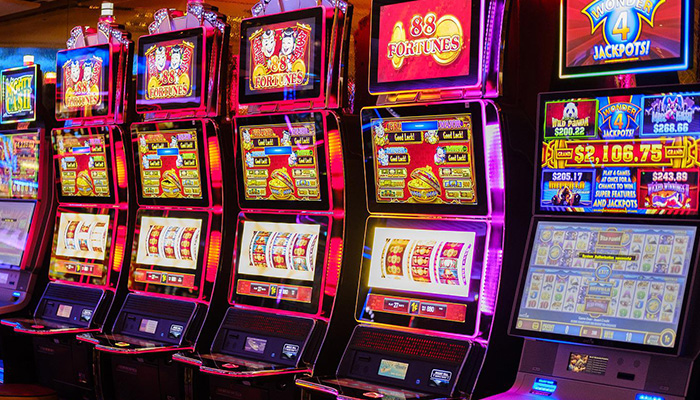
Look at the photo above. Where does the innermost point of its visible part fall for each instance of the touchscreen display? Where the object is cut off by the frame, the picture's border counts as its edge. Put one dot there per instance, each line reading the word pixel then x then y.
pixel 617 282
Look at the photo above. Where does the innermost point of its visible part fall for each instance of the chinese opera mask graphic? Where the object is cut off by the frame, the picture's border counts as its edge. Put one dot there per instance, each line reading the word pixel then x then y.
pixel 280 56
pixel 423 40
pixel 169 70
pixel 622 31
pixel 82 80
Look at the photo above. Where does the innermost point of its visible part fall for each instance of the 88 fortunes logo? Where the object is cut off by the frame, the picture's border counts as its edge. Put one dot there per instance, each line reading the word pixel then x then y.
pixel 622 22
pixel 428 35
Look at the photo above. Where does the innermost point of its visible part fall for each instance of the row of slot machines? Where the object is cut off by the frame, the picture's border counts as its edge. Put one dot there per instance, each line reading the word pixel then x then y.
pixel 203 258
pixel 201 238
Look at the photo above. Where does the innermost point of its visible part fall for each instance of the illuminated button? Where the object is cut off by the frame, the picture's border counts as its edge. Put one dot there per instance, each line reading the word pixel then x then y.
pixel 38 326
pixel 373 395
pixel 122 344
pixel 230 366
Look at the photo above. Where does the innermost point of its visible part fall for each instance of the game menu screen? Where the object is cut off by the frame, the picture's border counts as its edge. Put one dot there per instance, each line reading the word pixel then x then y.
pixel 82 163
pixel 280 56
pixel 172 243
pixel 278 250
pixel 617 282
pixel 617 33
pixel 423 39
pixel 280 162
pixel 170 164
pixel 80 247
pixel 424 160
pixel 169 75
pixel 83 81
pixel 18 94
pixel 15 219
pixel 621 154
pixel 19 165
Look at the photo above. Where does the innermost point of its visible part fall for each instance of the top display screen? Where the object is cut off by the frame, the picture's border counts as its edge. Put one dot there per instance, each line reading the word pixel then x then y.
pixel 626 153
pixel 620 283
pixel 83 163
pixel 19 165
pixel 169 71
pixel 424 160
pixel 280 162
pixel 19 94
pixel 603 37
pixel 83 82
pixel 282 56
pixel 422 44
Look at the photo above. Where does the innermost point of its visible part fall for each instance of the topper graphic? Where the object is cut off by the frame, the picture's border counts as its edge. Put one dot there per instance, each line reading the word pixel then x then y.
pixel 622 26
pixel 19 94
pixel 82 79
pixel 619 120
pixel 169 70
pixel 441 39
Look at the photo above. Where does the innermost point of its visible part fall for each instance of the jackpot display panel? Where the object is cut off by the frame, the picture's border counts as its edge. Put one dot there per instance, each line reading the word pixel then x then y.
pixel 608 38
pixel 622 152
pixel 420 45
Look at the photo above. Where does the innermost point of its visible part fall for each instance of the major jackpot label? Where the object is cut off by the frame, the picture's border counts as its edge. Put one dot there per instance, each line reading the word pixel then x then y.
pixel 170 70
pixel 621 31
pixel 641 157
pixel 423 39
pixel 280 56
pixel 424 160
pixel 18 95
pixel 82 82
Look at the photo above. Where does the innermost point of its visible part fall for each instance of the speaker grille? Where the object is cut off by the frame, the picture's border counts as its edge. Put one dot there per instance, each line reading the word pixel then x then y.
pixel 409 345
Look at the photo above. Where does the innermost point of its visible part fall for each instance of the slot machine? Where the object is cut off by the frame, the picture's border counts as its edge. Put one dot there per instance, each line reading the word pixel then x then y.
pixel 178 235
pixel 606 298
pixel 26 194
pixel 290 180
pixel 433 241
pixel 92 219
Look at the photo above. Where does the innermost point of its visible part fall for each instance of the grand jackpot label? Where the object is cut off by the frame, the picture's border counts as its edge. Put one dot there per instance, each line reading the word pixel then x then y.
pixel 82 162
pixel 280 56
pixel 604 31
pixel 18 95
pixel 640 157
pixel 280 162
pixel 423 39
pixel 82 82
pixel 170 70
pixel 424 160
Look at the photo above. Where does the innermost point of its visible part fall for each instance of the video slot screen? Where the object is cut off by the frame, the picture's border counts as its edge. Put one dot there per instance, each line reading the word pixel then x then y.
pixel 279 250
pixel 19 165
pixel 422 261
pixel 621 154
pixel 169 242
pixel 421 44
pixel 82 163
pixel 424 160
pixel 606 37
pixel 281 56
pixel 169 71
pixel 170 164
pixel 83 82
pixel 623 283
pixel 280 162
pixel 19 94
pixel 81 245
pixel 15 220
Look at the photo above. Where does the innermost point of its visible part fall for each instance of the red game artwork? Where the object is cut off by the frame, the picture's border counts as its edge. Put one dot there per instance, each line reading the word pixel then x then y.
pixel 423 39
pixel 169 70
pixel 280 56
pixel 82 82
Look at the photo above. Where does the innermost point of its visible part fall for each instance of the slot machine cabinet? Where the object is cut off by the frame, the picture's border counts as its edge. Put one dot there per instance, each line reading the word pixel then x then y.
pixel 179 232
pixel 605 301
pixel 290 181
pixel 26 193
pixel 433 243
pixel 93 218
